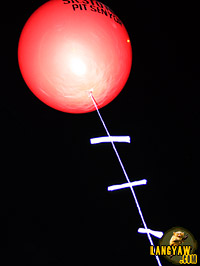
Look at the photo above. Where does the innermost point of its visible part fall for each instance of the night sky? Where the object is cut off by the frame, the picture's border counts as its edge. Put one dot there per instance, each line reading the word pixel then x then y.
pixel 55 208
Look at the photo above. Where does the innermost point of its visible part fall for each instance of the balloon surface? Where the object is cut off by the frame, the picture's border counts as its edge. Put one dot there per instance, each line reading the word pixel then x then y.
pixel 68 49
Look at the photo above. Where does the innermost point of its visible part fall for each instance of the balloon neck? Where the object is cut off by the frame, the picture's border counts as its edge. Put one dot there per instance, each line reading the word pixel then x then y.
pixel 90 92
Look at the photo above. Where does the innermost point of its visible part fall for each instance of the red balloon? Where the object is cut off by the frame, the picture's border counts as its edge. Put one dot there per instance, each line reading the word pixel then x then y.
pixel 69 48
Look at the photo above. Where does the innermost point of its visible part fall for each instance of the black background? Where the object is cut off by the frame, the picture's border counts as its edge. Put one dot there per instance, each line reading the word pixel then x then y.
pixel 55 208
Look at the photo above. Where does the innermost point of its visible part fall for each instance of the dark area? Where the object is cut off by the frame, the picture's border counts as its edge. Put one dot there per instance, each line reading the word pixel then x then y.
pixel 55 208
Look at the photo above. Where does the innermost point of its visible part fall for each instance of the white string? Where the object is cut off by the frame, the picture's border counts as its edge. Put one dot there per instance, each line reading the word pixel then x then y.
pixel 98 140
pixel 127 178
pixel 157 234
pixel 128 185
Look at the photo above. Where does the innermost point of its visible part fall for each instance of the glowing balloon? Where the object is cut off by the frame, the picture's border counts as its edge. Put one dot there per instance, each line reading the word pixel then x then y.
pixel 69 48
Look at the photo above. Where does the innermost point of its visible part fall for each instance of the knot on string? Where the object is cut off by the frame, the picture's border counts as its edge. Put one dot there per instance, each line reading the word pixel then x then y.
pixel 90 92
